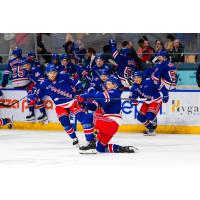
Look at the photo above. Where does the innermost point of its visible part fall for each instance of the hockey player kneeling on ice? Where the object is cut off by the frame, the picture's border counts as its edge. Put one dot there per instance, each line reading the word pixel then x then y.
pixel 147 90
pixel 107 117
pixel 62 90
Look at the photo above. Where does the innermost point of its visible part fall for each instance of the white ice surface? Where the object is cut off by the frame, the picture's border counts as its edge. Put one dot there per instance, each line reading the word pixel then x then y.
pixel 55 148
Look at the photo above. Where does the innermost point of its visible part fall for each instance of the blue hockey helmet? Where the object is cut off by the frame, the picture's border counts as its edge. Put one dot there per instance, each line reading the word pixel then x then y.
pixel 17 52
pixel 50 68
pixel 114 80
pixel 162 53
pixel 138 73
pixel 101 57
pixel 104 72
pixel 64 56
pixel 31 54
pixel 55 56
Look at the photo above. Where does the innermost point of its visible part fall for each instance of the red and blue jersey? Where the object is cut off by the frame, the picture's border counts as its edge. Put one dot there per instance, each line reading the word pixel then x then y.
pixel 61 91
pixel 126 66
pixel 16 72
pixel 165 75
pixel 146 90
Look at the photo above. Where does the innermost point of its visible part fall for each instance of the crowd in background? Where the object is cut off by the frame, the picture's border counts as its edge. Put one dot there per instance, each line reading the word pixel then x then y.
pixel 143 52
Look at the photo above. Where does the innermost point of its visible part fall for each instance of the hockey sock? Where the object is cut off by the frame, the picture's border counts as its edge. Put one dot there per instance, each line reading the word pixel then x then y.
pixel 113 148
pixel 71 133
pixel 4 121
pixel 31 109
pixel 42 110
pixel 89 132
pixel 101 147
pixel 148 124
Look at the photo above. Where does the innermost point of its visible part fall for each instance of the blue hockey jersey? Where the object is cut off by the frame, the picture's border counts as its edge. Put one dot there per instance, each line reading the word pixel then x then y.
pixel 126 66
pixel 146 90
pixel 36 75
pixel 16 72
pixel 165 75
pixel 96 71
pixel 109 101
pixel 61 91
pixel 97 85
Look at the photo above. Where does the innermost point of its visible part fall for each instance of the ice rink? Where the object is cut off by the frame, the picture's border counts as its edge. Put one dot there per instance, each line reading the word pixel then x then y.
pixel 54 148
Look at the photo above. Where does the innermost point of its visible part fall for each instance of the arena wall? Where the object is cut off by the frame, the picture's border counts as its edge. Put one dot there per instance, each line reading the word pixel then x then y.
pixel 180 115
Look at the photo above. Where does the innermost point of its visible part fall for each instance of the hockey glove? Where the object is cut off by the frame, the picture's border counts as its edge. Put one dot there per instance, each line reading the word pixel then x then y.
pixel 165 98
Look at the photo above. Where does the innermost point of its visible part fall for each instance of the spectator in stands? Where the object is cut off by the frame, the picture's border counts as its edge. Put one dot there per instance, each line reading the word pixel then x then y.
pixel 177 53
pixel 41 50
pixel 170 42
pixel 159 46
pixel 1 59
pixel 198 76
pixel 145 52
pixel 90 57
pixel 141 47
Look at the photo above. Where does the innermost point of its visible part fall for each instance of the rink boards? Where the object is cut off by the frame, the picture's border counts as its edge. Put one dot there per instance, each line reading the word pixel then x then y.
pixel 180 115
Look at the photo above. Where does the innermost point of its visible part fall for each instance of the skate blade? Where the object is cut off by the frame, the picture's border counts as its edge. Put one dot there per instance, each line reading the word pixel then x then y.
pixel 149 134
pixel 90 151
pixel 30 120
pixel 42 120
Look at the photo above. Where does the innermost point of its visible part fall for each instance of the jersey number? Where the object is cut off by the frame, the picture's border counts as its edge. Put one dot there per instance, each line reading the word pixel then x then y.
pixel 17 71
pixel 127 72
pixel 172 75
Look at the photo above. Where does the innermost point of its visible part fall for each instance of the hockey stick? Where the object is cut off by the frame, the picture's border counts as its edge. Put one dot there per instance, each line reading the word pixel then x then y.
pixel 9 105
pixel 124 98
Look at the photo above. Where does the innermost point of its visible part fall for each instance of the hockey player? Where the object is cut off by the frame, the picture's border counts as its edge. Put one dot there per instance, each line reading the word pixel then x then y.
pixel 100 65
pixel 107 118
pixel 62 89
pixel 98 84
pixel 146 89
pixel 68 67
pixel 126 64
pixel 165 72
pixel 36 77
pixel 15 71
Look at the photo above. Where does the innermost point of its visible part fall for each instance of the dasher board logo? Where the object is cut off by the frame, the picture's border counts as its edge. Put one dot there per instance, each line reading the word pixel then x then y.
pixel 179 107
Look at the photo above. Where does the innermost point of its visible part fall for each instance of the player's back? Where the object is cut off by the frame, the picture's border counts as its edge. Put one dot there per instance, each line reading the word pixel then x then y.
pixel 19 75
pixel 166 73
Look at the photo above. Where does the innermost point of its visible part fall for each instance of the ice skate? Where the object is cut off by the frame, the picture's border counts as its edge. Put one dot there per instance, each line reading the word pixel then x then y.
pixel 149 132
pixel 30 117
pixel 75 142
pixel 43 117
pixel 127 149
pixel 89 148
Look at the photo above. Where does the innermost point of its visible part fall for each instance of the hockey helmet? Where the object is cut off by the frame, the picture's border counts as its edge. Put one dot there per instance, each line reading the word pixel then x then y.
pixel 162 53
pixel 17 52
pixel 50 68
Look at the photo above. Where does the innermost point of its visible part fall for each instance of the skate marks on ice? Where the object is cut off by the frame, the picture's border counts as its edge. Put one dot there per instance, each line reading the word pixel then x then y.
pixel 54 148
